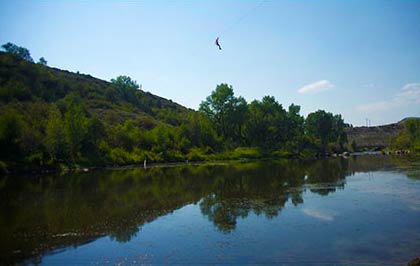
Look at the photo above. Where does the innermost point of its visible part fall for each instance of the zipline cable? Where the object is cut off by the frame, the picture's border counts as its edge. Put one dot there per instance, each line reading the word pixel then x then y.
pixel 240 19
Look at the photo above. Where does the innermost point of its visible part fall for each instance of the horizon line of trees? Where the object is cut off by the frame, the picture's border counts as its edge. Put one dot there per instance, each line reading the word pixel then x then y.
pixel 267 125
pixel 66 133
pixel 49 124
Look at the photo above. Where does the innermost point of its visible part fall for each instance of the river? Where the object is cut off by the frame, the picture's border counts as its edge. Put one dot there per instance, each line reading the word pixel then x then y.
pixel 337 211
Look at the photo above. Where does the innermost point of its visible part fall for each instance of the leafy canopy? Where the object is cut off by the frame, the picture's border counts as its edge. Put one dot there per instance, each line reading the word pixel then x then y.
pixel 17 50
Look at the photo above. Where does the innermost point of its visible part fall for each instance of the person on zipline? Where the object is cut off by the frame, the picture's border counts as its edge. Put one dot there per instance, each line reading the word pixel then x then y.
pixel 217 43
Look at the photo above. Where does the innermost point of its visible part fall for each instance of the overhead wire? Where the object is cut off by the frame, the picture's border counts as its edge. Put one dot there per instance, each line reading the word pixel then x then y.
pixel 241 18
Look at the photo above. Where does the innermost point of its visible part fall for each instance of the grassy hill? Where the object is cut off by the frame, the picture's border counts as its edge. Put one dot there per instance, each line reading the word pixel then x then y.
pixel 27 82
pixel 51 117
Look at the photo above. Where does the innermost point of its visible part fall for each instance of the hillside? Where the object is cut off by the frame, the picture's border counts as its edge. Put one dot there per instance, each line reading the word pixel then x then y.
pixel 27 82
pixel 376 137
pixel 51 117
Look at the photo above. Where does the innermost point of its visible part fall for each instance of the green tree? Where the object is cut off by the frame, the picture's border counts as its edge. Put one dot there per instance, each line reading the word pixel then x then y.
pixel 126 135
pixel 409 138
pixel 54 139
pixel 266 125
pixel 201 132
pixel 11 125
pixel 125 82
pixel 237 118
pixel 126 88
pixel 225 110
pixel 74 129
pixel 17 50
pixel 294 129
pixel 324 128
pixel 35 116
pixel 42 61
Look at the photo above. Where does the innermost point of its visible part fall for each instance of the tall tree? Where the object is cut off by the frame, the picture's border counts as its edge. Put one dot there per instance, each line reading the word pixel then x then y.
pixel 225 110
pixel 323 128
pixel 266 126
pixel 294 129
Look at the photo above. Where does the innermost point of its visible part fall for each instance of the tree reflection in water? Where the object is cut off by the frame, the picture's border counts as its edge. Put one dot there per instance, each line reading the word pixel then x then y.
pixel 265 188
pixel 40 214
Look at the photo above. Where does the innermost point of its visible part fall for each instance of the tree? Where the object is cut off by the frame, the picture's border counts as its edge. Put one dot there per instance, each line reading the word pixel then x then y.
pixel 266 125
pixel 323 127
pixel 11 125
pixel 125 82
pixel 409 138
pixel 54 140
pixel 126 88
pixel 42 61
pixel 200 131
pixel 19 51
pixel 294 129
pixel 217 106
pixel 74 128
pixel 237 119
pixel 225 110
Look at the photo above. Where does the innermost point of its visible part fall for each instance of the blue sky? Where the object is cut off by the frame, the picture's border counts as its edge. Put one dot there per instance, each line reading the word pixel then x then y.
pixel 357 58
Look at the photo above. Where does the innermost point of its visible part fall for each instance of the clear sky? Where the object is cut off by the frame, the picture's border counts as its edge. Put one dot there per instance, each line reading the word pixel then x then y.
pixel 358 58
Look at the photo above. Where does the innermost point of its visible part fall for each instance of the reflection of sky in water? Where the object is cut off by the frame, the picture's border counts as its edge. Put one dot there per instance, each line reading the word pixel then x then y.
pixel 319 214
pixel 375 218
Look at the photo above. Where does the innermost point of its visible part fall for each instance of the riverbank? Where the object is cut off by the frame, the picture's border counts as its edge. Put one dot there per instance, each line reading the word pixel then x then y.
pixel 214 159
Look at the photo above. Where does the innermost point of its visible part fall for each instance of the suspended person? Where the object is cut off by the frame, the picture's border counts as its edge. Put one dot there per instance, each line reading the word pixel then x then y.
pixel 217 43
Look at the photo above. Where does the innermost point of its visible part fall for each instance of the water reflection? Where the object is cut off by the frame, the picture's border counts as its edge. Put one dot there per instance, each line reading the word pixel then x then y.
pixel 50 212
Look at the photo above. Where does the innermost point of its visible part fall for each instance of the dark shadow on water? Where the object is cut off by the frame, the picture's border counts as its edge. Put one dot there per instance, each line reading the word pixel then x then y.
pixel 57 211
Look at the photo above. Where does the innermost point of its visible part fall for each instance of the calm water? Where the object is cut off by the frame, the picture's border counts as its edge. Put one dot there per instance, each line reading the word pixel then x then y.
pixel 363 210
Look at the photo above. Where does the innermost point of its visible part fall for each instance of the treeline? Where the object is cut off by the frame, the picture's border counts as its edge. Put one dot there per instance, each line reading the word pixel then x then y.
pixel 54 118
pixel 266 125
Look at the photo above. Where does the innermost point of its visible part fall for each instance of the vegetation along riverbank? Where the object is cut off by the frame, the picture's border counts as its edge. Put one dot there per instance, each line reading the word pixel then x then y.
pixel 56 119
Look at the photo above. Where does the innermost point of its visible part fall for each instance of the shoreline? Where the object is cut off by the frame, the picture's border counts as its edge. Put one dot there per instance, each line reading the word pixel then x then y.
pixel 46 170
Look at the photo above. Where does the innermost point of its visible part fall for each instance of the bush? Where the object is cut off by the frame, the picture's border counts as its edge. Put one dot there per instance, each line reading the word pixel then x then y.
pixel 173 156
pixel 280 154
pixel 246 153
pixel 119 156
pixel 197 154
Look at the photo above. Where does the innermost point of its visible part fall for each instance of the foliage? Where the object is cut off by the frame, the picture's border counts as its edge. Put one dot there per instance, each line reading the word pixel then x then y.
pixel 126 88
pixel 245 152
pixel 42 61
pixel 226 112
pixel 54 139
pixel 267 125
pixel 409 138
pixel 326 131
pixel 18 51
pixel 54 118
pixel 11 126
